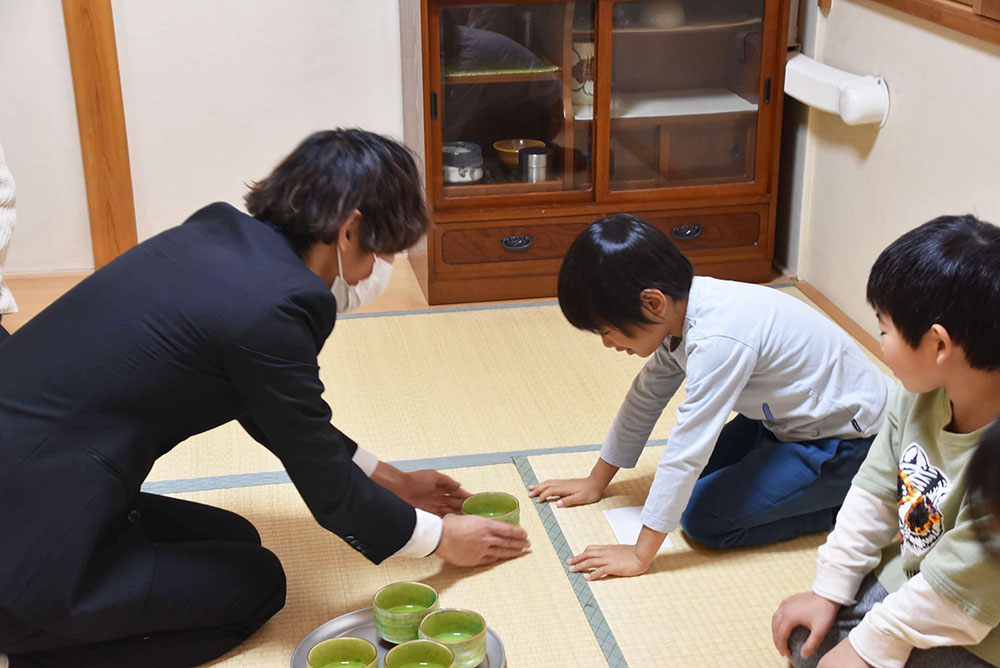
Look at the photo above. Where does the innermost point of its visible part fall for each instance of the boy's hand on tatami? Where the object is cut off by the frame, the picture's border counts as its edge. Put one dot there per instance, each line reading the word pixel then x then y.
pixel 843 656
pixel 570 492
pixel 599 561
pixel 803 609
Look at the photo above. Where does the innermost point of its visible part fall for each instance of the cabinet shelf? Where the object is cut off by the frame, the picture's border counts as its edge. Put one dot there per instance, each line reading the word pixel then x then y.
pixel 498 180
pixel 548 73
pixel 700 102
pixel 698 27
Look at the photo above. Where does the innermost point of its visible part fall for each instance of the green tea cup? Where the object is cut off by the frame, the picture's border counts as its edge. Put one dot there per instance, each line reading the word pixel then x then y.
pixel 495 505
pixel 399 607
pixel 343 653
pixel 420 654
pixel 462 631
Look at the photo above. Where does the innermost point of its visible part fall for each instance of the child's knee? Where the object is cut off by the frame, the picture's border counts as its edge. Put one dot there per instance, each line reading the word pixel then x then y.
pixel 796 639
pixel 709 531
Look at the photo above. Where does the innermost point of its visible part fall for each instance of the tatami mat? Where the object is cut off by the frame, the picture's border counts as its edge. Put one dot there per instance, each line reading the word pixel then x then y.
pixel 442 383
pixel 695 607
pixel 436 384
pixel 528 601
pixel 474 385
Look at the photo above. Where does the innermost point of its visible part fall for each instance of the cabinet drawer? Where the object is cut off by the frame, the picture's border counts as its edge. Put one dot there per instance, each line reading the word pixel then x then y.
pixel 509 243
pixel 710 231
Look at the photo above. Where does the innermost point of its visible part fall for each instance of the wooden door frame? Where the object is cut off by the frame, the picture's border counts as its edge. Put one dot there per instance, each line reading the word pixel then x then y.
pixel 93 59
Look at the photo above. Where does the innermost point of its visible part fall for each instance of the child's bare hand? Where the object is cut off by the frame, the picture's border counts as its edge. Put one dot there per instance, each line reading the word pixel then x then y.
pixel 604 560
pixel 843 656
pixel 803 609
pixel 570 492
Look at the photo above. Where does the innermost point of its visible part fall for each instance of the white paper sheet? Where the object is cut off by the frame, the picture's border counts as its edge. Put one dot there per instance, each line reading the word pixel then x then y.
pixel 626 524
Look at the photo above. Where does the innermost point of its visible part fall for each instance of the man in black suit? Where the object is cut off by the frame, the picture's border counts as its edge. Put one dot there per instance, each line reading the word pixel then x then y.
pixel 218 319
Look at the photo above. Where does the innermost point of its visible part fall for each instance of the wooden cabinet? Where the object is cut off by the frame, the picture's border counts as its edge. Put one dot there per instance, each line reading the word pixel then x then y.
pixel 668 109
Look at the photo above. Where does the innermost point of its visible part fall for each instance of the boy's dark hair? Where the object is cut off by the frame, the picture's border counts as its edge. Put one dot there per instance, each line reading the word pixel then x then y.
pixel 984 486
pixel 947 271
pixel 330 174
pixel 609 265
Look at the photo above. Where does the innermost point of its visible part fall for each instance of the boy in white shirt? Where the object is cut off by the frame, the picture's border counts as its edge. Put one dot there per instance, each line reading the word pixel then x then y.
pixel 808 400
pixel 902 579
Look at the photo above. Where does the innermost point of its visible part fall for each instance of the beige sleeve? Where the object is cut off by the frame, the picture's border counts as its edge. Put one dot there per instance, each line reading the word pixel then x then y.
pixel 918 617
pixel 865 525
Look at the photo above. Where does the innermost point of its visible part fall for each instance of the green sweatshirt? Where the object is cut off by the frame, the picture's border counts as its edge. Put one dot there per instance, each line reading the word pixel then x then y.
pixel 922 468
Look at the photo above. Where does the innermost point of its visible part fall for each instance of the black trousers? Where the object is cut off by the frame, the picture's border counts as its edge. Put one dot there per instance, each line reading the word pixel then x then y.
pixel 213 586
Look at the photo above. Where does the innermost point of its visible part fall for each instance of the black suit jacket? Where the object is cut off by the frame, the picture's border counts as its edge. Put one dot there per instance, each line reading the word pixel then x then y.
pixel 214 320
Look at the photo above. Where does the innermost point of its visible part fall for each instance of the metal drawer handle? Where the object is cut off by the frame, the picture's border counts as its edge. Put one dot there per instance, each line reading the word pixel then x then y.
pixel 519 243
pixel 685 232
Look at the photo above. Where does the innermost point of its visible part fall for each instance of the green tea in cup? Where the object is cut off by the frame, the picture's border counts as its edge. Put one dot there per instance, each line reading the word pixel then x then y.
pixel 495 505
pixel 399 607
pixel 462 631
pixel 343 653
pixel 420 654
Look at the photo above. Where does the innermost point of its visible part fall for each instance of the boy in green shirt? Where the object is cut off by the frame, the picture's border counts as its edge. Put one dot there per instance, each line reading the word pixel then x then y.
pixel 902 579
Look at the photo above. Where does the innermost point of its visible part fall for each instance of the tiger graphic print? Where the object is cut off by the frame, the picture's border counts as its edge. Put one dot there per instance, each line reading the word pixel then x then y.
pixel 921 490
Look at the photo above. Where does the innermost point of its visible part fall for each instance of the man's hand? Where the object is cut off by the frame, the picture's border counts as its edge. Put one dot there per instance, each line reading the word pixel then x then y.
pixel 804 609
pixel 432 491
pixel 470 540
pixel 576 491
pixel 604 560
pixel 425 489
pixel 843 656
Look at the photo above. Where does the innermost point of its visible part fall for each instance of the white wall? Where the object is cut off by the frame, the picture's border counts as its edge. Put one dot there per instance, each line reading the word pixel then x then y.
pixel 215 94
pixel 939 152
pixel 40 139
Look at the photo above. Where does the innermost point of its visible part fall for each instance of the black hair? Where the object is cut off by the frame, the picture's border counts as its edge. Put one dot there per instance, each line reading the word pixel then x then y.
pixel 311 193
pixel 984 486
pixel 947 271
pixel 609 265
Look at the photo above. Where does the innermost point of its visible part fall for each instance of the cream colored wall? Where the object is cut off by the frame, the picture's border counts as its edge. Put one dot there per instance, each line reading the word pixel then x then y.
pixel 41 143
pixel 939 152
pixel 215 93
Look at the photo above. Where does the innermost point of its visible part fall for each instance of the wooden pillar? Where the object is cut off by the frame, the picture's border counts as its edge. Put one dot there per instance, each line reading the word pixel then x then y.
pixel 93 58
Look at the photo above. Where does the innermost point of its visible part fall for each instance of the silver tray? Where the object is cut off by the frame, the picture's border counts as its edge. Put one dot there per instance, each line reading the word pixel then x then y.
pixel 361 624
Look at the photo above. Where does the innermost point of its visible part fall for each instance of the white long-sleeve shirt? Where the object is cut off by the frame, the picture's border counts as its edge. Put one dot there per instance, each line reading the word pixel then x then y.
pixel 754 350
pixel 427 531
pixel 7 218
pixel 915 616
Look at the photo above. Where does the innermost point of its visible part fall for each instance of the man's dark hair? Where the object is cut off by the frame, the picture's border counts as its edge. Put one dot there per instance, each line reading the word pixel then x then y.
pixel 609 265
pixel 947 271
pixel 330 174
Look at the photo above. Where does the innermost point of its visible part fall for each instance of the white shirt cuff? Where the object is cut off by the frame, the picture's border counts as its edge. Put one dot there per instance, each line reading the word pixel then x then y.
pixel 365 460
pixel 425 538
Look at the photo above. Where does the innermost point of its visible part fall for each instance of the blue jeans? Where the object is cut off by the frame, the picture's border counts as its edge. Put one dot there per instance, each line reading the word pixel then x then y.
pixel 757 489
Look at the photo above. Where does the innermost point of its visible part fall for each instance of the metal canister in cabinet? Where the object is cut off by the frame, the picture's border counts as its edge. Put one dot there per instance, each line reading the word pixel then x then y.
pixel 535 162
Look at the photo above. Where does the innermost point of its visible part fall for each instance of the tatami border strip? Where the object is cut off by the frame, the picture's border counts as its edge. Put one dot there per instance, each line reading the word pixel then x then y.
pixel 445 309
pixel 475 307
pixel 436 463
pixel 581 586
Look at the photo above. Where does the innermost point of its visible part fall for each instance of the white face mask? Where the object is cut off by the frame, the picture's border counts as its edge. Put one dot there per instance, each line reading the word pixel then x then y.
pixel 351 297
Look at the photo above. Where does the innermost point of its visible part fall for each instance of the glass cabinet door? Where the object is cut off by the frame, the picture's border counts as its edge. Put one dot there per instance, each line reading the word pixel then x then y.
pixel 508 75
pixel 685 80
